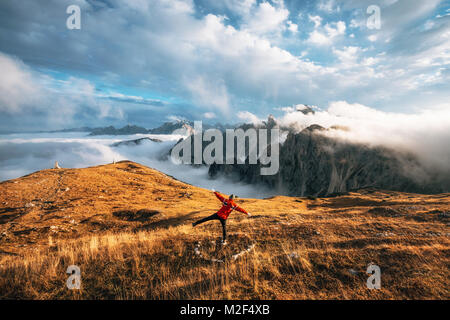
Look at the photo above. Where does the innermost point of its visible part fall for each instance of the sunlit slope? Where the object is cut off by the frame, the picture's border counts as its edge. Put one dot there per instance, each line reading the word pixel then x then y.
pixel 129 229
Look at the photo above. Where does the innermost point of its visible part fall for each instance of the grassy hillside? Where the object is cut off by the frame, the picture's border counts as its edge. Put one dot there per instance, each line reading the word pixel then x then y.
pixel 128 228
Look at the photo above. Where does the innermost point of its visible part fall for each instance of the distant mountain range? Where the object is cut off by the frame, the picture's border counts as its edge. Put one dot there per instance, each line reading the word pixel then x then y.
pixel 312 164
pixel 80 129
pixel 182 127
pixel 112 131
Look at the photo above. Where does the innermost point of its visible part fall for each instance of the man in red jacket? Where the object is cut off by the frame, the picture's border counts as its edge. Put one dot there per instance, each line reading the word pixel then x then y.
pixel 228 205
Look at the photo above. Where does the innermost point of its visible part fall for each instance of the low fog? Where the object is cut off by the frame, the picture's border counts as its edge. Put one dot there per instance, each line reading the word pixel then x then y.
pixel 22 154
pixel 425 133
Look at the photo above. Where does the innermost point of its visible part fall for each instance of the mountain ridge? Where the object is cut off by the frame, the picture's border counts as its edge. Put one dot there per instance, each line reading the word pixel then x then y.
pixel 313 164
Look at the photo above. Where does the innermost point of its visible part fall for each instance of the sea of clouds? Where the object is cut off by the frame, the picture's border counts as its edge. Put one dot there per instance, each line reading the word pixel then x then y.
pixel 424 133
pixel 21 154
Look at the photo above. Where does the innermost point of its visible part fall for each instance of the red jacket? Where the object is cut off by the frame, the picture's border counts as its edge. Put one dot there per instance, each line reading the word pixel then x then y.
pixel 228 205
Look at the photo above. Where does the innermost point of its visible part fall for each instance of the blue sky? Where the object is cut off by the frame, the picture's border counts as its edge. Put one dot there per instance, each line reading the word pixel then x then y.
pixel 144 62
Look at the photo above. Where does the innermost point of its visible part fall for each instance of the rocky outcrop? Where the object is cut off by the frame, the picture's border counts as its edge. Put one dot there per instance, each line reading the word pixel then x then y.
pixel 313 164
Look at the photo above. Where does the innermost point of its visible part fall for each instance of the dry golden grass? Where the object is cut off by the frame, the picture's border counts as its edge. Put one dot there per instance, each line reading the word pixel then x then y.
pixel 303 249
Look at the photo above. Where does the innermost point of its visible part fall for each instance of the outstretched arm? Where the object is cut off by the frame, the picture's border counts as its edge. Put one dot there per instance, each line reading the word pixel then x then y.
pixel 237 208
pixel 219 196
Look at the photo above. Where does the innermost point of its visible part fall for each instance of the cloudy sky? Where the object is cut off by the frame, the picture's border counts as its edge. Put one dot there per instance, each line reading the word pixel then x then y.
pixel 144 62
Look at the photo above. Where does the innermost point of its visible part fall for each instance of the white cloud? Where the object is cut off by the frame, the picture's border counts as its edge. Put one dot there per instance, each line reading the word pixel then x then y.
pixel 328 6
pixel 175 118
pixel 294 108
pixel 56 102
pixel 372 38
pixel 267 18
pixel 29 153
pixel 424 133
pixel 209 93
pixel 316 19
pixel 242 7
pixel 249 117
pixel 327 34
pixel 292 27
pixel 335 29
pixel 370 61
pixel 18 86
pixel 209 115
pixel 348 55
pixel 318 38
pixel 209 61
pixel 356 23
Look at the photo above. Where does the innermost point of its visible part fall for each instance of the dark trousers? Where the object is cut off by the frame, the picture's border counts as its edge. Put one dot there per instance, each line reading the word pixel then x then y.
pixel 215 217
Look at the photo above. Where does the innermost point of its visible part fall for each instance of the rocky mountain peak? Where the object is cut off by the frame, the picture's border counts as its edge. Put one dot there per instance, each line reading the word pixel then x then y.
pixel 305 109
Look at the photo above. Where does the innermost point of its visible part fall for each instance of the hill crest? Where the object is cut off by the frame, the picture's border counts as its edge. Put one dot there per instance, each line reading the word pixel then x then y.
pixel 129 228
